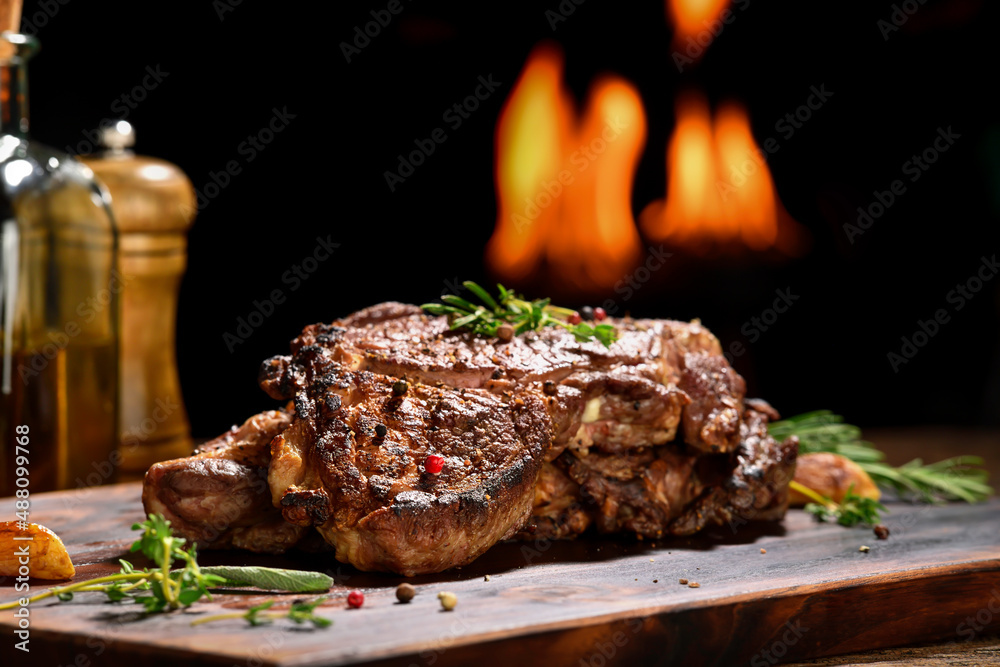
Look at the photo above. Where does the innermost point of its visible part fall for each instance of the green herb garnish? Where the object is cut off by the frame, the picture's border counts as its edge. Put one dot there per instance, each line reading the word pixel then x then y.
pixel 171 588
pixel 515 311
pixel 299 612
pixel 851 511
pixel 957 478
pixel 271 579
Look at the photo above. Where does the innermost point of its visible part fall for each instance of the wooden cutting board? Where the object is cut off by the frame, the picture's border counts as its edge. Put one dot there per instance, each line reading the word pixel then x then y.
pixel 591 602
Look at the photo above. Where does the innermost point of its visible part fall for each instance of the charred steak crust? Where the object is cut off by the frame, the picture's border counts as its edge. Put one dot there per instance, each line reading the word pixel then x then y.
pixel 219 497
pixel 542 436
pixel 670 490
pixel 353 466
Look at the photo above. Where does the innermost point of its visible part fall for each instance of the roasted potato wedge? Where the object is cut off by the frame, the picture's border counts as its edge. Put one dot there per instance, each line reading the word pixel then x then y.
pixel 831 475
pixel 47 557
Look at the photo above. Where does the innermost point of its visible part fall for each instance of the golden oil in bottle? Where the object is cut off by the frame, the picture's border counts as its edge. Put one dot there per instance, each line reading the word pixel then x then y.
pixel 59 285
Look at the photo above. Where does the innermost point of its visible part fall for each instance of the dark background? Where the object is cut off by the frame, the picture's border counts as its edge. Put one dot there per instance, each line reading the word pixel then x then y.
pixel 323 174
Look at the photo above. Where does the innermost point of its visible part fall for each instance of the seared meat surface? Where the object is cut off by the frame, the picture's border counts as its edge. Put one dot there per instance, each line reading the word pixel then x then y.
pixel 219 497
pixel 541 436
pixel 668 490
pixel 354 466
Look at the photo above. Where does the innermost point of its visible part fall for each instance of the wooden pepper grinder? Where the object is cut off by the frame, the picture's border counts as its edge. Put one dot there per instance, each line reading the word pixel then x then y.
pixel 154 205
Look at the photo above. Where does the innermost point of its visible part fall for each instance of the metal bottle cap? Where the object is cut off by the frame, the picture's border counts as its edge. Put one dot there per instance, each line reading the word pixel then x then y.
pixel 119 136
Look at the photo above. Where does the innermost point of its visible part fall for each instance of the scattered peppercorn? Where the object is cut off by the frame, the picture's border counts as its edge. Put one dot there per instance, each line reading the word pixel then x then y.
pixel 433 464
pixel 399 387
pixel 882 532
pixel 549 388
pixel 683 582
pixel 600 314
pixel 505 332
pixel 405 592
pixel 355 599
pixel 381 430
pixel 587 313
pixel 656 581
pixel 448 600
pixel 864 549
pixel 574 318
pixel 763 551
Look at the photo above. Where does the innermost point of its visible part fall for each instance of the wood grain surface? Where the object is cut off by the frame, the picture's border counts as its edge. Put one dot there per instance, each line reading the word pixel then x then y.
pixel 589 602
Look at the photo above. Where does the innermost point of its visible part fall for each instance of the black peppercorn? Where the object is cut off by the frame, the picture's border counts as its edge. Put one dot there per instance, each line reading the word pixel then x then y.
pixel 399 387
pixel 405 592
pixel 587 313
pixel 381 430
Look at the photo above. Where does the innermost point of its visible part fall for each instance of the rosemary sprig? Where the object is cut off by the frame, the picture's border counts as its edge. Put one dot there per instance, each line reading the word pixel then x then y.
pixel 512 309
pixel 851 511
pixel 957 478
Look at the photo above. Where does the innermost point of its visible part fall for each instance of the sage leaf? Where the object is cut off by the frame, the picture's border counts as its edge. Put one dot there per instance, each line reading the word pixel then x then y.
pixel 271 579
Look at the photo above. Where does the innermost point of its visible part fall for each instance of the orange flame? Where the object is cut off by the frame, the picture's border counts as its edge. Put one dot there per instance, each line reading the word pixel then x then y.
pixel 564 186
pixel 719 189
pixel 692 17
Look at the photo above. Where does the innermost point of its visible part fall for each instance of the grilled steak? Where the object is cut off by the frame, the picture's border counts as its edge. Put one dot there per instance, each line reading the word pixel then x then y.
pixel 219 496
pixel 543 435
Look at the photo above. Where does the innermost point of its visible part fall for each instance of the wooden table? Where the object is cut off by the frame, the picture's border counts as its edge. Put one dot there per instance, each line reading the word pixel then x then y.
pixel 932 443
pixel 587 602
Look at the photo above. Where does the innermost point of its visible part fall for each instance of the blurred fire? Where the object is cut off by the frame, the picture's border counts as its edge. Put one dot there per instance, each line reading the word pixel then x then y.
pixel 719 190
pixel 564 184
pixel 692 17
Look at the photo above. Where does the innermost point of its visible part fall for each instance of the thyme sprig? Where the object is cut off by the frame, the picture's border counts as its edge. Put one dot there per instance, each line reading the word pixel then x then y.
pixel 300 612
pixel 956 478
pixel 171 588
pixel 510 308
